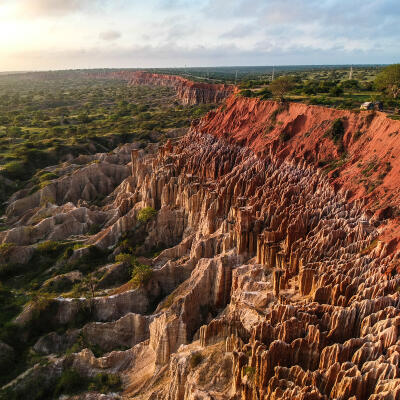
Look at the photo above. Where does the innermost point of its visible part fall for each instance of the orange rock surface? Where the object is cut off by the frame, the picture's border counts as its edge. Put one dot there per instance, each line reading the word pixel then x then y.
pixel 368 165
pixel 187 91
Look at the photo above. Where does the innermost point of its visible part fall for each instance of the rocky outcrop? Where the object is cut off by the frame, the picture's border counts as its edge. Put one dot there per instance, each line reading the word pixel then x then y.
pixel 277 281
pixel 187 91
pixel 295 313
pixel 125 332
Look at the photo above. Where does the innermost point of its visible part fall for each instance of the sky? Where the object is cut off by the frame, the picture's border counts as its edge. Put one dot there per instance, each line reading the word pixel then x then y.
pixel 71 34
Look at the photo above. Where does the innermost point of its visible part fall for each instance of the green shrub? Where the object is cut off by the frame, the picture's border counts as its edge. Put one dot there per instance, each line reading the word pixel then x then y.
pixel 141 274
pixel 125 258
pixel 49 247
pixel 48 176
pixel 15 170
pixel 249 371
pixel 67 253
pixel 284 136
pixel 357 135
pixel 70 382
pixel 336 91
pixel 5 249
pixel 106 383
pixel 145 214
pixel 246 93
pixel 336 131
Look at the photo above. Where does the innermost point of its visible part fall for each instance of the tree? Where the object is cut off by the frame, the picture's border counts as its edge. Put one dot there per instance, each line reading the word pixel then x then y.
pixel 145 214
pixel 389 80
pixel 280 86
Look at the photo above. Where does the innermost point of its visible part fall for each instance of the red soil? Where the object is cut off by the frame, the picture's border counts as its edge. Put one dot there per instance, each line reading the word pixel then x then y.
pixel 368 167
pixel 187 91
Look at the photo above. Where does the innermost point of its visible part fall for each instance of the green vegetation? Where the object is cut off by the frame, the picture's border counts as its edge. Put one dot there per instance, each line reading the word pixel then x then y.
pixel 48 117
pixel 284 136
pixel 71 382
pixel 145 214
pixel 22 284
pixel 328 86
pixel 336 133
pixel 369 248
pixel 141 274
pixel 281 86
pixel 389 80
pixel 249 371
pixel 126 258
pixel 357 135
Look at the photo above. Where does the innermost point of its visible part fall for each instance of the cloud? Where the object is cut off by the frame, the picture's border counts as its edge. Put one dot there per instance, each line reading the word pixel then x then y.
pixel 239 31
pixel 201 32
pixel 52 8
pixel 178 56
pixel 110 35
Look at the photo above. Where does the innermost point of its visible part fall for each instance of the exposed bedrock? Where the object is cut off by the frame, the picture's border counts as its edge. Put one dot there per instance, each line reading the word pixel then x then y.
pixel 187 91
pixel 288 274
pixel 273 284
pixel 61 209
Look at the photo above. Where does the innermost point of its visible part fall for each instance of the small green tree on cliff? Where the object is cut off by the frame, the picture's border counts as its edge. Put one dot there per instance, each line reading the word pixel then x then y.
pixel 281 86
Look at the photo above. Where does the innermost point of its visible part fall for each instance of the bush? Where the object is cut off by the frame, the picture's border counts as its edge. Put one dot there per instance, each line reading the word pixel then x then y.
pixel 336 91
pixel 106 383
pixel 15 170
pixel 281 86
pixel 265 94
pixel 48 176
pixel 284 136
pixel 49 247
pixel 70 382
pixel 5 249
pixel 125 258
pixel 141 274
pixel 357 135
pixel 246 93
pixel 336 133
pixel 249 371
pixel 145 214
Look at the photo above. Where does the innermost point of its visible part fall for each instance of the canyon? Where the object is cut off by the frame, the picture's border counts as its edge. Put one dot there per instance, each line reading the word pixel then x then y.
pixel 279 271
pixel 187 91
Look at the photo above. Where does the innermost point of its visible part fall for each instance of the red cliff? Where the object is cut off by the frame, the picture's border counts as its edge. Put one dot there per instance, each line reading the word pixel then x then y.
pixel 188 92
pixel 365 162
pixel 276 280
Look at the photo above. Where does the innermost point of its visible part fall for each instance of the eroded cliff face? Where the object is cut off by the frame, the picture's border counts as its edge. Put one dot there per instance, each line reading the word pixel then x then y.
pixel 274 284
pixel 187 91
pixel 288 278
pixel 364 163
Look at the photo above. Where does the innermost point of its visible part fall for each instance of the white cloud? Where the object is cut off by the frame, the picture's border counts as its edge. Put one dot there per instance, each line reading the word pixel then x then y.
pixel 197 32
pixel 53 8
pixel 110 35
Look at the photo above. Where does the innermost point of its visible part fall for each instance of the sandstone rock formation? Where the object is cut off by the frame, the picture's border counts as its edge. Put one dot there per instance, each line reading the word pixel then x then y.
pixel 277 281
pixel 187 91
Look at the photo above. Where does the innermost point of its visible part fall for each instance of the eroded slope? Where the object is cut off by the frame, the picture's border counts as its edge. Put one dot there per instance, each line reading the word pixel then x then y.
pixel 272 283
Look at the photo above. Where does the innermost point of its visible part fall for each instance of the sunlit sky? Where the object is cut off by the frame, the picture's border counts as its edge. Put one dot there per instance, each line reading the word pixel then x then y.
pixel 60 34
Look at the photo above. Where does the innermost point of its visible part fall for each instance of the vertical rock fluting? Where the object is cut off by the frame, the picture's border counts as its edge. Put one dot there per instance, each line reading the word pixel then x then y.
pixel 297 269
pixel 188 92
pixel 268 267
